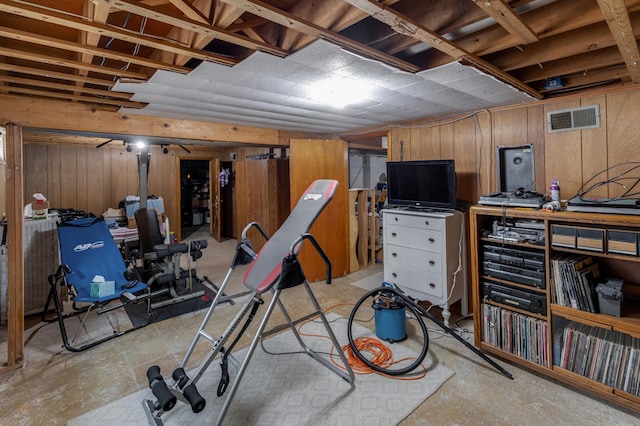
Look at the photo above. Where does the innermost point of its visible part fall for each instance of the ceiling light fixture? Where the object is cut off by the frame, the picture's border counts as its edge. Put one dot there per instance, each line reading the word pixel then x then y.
pixel 340 92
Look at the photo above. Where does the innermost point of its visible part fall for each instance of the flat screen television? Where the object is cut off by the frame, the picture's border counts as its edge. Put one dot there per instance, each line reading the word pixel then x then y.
pixel 423 183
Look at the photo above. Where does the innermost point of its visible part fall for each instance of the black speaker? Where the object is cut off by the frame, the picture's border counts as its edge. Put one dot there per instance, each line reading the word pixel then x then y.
pixel 516 169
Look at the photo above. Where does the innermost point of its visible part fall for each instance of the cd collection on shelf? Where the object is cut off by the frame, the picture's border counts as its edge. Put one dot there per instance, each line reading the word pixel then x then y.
pixel 516 333
pixel 573 280
pixel 606 356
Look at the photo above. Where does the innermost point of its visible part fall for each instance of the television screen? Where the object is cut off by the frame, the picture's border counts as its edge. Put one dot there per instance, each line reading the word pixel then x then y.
pixel 426 183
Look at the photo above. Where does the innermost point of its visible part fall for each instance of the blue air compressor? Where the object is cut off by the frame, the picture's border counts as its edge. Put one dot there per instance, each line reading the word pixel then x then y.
pixel 390 316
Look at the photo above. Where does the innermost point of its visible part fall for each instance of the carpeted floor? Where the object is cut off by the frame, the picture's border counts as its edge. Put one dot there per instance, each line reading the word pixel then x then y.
pixel 291 389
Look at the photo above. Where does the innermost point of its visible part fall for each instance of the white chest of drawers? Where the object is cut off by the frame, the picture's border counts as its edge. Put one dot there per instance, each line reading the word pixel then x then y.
pixel 425 256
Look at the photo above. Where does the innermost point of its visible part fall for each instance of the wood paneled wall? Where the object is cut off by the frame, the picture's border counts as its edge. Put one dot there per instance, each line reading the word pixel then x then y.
pixel 81 177
pixel 261 195
pixel 323 159
pixel 573 157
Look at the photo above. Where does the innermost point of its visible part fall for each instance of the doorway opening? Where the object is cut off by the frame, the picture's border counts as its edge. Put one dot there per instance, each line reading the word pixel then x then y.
pixel 224 204
pixel 194 197
pixel 206 198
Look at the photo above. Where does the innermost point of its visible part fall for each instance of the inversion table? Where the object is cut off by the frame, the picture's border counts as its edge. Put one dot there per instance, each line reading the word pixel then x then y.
pixel 273 269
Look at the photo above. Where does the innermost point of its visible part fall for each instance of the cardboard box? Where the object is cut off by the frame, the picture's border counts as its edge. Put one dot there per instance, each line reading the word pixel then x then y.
pixel 40 209
pixel 155 203
pixel 131 221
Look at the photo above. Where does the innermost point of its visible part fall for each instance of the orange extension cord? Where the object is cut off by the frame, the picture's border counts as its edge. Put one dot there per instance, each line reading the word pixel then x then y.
pixel 382 356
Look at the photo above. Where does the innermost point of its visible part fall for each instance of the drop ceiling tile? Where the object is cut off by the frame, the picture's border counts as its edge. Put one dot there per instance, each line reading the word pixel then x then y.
pixel 448 73
pixel 137 87
pixel 269 91
pixel 173 79
pixel 261 63
pixel 323 55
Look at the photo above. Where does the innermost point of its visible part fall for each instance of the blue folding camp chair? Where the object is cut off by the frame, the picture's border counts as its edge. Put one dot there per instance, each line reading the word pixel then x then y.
pixel 90 255
pixel 273 269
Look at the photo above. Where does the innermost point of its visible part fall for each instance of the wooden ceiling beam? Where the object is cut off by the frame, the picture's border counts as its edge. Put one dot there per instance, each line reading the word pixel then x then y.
pixel 194 26
pixel 67 97
pixel 190 11
pixel 57 86
pixel 291 21
pixel 548 21
pixel 582 40
pixel 87 50
pixel 97 13
pixel 46 15
pixel 505 16
pixel 54 75
pixel 206 8
pixel 68 63
pixel 585 62
pixel 334 15
pixel 241 25
pixel 404 25
pixel 613 75
pixel 617 17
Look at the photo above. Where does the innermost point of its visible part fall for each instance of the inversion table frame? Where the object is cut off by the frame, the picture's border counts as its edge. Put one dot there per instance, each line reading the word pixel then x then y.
pixel 273 269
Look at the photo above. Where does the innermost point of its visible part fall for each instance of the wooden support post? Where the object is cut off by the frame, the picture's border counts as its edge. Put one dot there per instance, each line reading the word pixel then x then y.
pixel 15 258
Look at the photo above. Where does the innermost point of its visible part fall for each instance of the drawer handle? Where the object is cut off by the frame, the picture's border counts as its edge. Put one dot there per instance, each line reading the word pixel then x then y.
pixel 432 263
pixel 395 218
pixel 393 234
pixel 394 275
pixel 426 222
pixel 394 254
pixel 431 240
pixel 432 285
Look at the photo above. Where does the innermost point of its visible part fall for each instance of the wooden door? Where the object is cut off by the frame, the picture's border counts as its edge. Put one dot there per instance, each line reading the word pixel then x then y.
pixel 323 159
pixel 214 199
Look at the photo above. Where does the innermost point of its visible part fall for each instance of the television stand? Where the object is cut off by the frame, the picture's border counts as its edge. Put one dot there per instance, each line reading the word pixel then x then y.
pixel 425 255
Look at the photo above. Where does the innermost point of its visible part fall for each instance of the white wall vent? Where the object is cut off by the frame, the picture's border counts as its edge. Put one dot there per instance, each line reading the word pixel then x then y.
pixel 574 119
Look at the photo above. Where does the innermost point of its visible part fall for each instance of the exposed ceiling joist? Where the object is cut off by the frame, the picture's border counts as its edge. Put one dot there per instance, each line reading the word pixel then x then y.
pixel 288 20
pixel 54 75
pixel 54 60
pixel 403 25
pixel 59 95
pixel 85 49
pixel 190 11
pixel 191 25
pixel 63 87
pixel 617 17
pixel 45 15
pixel 97 13
pixel 508 19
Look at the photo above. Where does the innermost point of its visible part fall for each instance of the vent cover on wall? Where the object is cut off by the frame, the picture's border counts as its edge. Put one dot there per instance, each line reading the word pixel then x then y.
pixel 573 119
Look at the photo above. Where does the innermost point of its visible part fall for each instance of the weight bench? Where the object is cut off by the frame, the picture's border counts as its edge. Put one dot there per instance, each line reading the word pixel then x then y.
pixel 274 269
pixel 161 262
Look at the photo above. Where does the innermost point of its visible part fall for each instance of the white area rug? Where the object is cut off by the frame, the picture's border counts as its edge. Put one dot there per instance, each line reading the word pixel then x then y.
pixel 290 390
pixel 371 282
